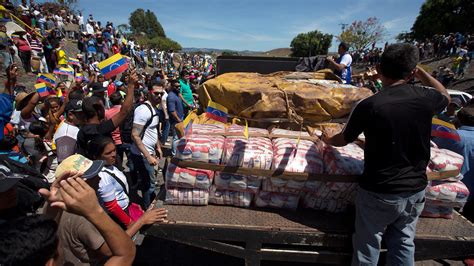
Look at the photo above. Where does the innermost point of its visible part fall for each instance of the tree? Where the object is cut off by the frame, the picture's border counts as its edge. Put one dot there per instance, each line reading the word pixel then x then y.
pixel 229 53
pixel 123 28
pixel 360 34
pixel 146 22
pixel 159 43
pixel 406 37
pixel 444 16
pixel 310 44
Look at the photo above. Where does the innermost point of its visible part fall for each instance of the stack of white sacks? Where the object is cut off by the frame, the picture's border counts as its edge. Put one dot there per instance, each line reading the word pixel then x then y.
pixel 252 153
pixel 442 196
pixel 189 186
pixel 290 154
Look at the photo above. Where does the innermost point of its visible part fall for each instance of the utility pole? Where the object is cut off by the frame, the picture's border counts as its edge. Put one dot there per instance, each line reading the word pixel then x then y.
pixel 343 26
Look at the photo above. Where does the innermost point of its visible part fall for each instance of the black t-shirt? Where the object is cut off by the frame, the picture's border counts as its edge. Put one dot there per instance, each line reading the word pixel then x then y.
pixel 397 126
pixel 88 132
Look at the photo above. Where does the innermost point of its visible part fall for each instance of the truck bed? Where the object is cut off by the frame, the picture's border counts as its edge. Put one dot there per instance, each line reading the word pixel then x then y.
pixel 303 235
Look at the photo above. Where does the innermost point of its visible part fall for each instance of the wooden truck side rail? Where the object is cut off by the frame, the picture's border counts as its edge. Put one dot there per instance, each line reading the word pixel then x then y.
pixel 304 235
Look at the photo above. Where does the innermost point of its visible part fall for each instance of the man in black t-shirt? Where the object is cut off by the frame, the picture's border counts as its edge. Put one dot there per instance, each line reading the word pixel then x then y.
pixel 94 113
pixel 396 123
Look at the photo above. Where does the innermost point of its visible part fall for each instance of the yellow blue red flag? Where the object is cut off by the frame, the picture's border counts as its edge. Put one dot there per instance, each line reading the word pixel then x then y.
pixel 47 78
pixel 442 129
pixel 216 112
pixel 113 66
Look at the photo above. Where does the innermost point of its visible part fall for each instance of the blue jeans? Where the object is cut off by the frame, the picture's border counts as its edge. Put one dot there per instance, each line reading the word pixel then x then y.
pixel 165 127
pixel 393 216
pixel 175 138
pixel 146 177
pixel 6 58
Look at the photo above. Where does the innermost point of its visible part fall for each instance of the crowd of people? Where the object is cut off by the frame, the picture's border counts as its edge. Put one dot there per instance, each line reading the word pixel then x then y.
pixel 79 138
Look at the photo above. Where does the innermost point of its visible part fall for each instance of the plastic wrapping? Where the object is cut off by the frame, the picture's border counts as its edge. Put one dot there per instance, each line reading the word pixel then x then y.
pixel 276 200
pixel 432 210
pixel 225 181
pixel 235 129
pixel 301 156
pixel 232 198
pixel 186 196
pixel 346 160
pixel 283 186
pixel 445 160
pixel 178 177
pixel 203 129
pixel 255 152
pixel 330 205
pixel 200 148
pixel 451 194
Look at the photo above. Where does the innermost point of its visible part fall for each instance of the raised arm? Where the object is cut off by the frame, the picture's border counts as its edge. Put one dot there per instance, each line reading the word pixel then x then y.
pixel 128 101
pixel 428 80
pixel 81 199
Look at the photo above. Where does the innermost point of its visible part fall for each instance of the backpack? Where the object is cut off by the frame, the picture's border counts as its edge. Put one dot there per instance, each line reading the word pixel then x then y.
pixel 29 200
pixel 127 125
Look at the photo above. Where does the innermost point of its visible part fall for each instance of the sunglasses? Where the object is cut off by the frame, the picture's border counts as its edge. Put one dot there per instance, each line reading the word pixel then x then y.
pixel 158 93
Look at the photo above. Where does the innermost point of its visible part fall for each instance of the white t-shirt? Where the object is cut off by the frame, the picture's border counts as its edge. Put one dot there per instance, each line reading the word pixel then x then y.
pixel 89 29
pixel 150 138
pixel 65 139
pixel 110 189
pixel 80 19
pixel 347 61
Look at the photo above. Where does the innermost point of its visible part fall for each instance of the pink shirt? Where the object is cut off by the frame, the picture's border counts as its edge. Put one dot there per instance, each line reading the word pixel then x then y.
pixel 108 115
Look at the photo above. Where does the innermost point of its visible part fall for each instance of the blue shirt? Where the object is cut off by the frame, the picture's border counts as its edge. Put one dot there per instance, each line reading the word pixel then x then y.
pixel 174 104
pixel 464 147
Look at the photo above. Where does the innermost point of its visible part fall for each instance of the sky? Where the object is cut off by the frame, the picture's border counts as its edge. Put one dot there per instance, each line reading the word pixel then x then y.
pixel 257 25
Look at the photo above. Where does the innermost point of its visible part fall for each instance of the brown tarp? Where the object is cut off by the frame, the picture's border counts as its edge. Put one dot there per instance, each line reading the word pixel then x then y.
pixel 282 97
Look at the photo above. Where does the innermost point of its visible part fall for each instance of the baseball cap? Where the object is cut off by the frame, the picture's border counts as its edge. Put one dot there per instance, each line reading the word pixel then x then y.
pixel 98 87
pixel 81 164
pixel 74 105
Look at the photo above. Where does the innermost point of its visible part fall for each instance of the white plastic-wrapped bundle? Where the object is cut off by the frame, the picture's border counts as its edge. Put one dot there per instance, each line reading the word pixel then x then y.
pixel 200 148
pixel 301 156
pixel 450 194
pixel 445 160
pixel 330 205
pixel 346 160
pixel 329 196
pixel 203 129
pixel 276 200
pixel 232 198
pixel 239 130
pixel 225 181
pixel 285 132
pixel 254 152
pixel 434 210
pixel 283 186
pixel 187 196
pixel 188 177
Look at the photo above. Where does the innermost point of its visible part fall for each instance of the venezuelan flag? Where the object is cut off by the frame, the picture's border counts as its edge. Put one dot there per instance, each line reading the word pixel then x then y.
pixel 442 129
pixel 66 71
pixel 47 78
pixel 113 66
pixel 78 77
pixel 73 62
pixel 42 89
pixel 216 112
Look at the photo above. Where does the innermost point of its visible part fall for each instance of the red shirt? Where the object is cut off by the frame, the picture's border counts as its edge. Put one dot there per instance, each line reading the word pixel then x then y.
pixel 115 49
pixel 22 45
pixel 111 88
pixel 108 115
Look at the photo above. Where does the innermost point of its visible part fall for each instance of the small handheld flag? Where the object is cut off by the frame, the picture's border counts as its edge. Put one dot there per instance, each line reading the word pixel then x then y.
pixel 65 71
pixel 43 90
pixel 442 129
pixel 73 62
pixel 113 66
pixel 47 78
pixel 216 112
